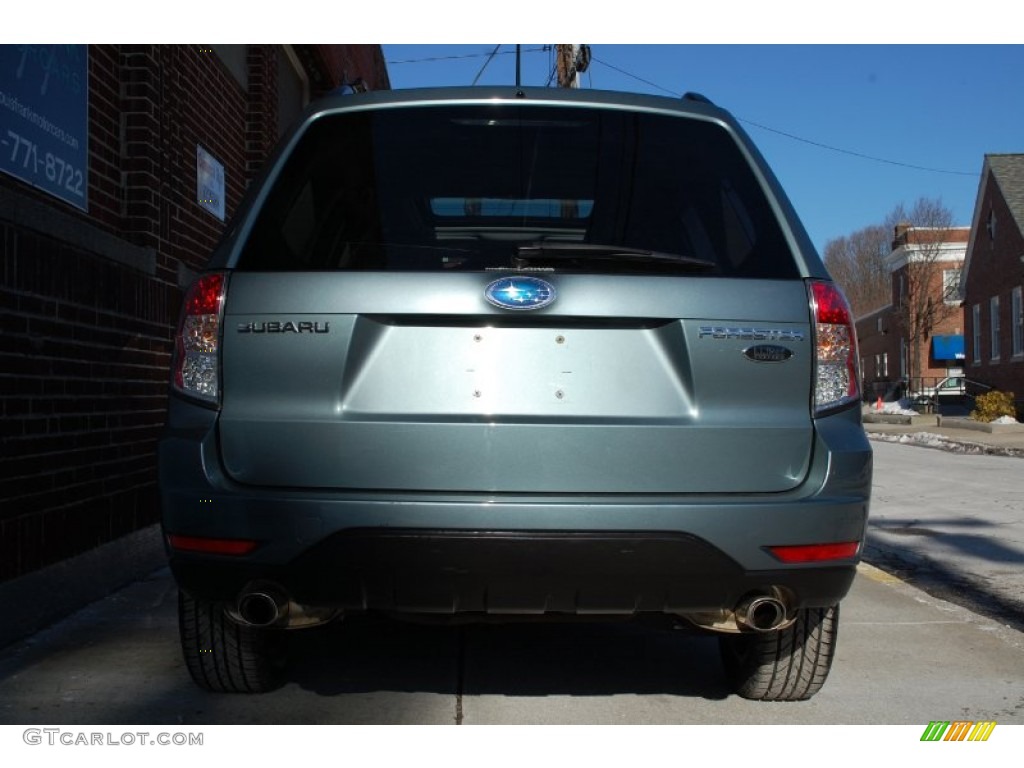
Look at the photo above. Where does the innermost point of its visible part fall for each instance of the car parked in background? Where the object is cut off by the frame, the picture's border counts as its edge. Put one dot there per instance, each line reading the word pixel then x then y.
pixel 512 352
pixel 951 386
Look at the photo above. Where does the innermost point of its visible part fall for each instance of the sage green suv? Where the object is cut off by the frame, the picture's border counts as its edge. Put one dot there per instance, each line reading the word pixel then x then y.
pixel 514 352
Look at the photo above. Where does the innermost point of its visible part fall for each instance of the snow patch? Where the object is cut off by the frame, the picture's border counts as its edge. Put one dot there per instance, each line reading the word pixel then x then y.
pixel 926 438
pixel 932 440
pixel 1005 420
pixel 897 408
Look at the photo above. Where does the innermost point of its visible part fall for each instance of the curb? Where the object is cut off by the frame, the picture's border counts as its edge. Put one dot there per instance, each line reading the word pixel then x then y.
pixel 939 442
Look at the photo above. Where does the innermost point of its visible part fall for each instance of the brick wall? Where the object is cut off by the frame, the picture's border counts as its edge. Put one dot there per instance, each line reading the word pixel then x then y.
pixel 949 321
pixel 89 300
pixel 875 339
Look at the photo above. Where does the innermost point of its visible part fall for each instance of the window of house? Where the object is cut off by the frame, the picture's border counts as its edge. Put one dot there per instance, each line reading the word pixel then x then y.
pixel 976 333
pixel 882 366
pixel 903 358
pixel 1017 323
pixel 991 226
pixel 951 286
pixel 993 309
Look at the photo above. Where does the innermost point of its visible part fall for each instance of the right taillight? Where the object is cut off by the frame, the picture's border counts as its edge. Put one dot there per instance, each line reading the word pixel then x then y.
pixel 196 368
pixel 836 379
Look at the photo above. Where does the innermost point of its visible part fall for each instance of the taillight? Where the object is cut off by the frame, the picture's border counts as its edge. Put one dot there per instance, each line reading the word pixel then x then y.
pixel 837 382
pixel 196 371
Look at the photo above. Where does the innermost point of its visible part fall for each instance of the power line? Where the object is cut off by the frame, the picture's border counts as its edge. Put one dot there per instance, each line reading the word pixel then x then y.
pixel 630 74
pixel 466 56
pixel 854 154
pixel 792 136
pixel 551 76
pixel 489 59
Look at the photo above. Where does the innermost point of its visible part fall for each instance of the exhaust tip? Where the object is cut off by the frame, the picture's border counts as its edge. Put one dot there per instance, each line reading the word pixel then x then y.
pixel 261 608
pixel 762 613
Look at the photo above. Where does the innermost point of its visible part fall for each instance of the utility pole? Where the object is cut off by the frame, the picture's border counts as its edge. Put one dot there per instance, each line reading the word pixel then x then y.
pixel 570 61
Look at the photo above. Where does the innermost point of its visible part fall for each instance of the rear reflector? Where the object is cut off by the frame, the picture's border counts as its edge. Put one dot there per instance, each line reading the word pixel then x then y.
pixel 196 370
pixel 837 381
pixel 212 546
pixel 816 553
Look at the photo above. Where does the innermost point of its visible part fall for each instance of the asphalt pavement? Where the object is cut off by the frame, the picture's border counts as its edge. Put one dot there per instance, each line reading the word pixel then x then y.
pixel 952 523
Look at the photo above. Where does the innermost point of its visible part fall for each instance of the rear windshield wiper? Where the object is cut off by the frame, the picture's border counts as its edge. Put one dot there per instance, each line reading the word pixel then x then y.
pixel 595 251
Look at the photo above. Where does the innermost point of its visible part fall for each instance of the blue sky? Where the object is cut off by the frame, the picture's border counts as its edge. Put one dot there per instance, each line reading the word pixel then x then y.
pixel 940 107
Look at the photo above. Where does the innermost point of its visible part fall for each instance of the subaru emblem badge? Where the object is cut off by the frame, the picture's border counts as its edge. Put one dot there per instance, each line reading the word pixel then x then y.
pixel 768 353
pixel 520 293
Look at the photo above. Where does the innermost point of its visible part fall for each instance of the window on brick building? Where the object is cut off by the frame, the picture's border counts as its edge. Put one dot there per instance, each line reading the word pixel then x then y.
pixel 1017 322
pixel 882 366
pixel 993 309
pixel 951 286
pixel 976 333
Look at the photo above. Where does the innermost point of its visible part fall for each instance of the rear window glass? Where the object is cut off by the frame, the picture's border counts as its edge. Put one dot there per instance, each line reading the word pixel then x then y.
pixel 497 186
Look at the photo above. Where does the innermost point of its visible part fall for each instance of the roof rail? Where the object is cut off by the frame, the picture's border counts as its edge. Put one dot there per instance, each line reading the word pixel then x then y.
pixel 694 96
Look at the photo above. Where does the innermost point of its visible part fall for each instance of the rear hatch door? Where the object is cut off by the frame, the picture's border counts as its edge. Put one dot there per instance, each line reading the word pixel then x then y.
pixel 415 382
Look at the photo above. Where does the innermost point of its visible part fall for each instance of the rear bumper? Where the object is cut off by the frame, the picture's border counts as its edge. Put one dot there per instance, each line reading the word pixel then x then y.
pixel 450 553
pixel 504 572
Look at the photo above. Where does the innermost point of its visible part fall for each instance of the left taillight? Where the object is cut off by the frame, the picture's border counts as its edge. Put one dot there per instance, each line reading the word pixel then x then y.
pixel 837 381
pixel 196 367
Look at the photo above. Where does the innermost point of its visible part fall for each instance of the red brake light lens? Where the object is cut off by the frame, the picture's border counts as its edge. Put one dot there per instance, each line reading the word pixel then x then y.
pixel 205 295
pixel 831 304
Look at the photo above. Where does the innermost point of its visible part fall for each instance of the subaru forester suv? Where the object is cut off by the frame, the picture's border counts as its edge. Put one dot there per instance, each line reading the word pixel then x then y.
pixel 509 352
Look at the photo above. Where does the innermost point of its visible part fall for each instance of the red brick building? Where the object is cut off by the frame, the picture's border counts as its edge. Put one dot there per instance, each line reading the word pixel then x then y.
pixel 96 251
pixel 925 260
pixel 994 276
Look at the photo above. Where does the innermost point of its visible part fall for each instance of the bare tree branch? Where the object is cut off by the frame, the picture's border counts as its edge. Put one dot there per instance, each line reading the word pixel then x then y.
pixel 857 263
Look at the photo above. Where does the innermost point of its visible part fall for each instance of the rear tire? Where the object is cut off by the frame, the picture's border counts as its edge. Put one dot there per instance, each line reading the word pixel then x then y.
pixel 787 665
pixel 224 656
